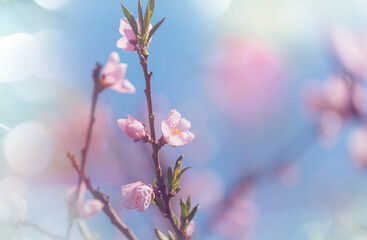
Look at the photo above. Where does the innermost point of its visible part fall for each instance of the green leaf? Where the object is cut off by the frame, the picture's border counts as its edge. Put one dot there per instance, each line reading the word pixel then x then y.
pixel 169 176
pixel 160 235
pixel 148 16
pixel 182 172
pixel 88 235
pixel 177 188
pixel 176 220
pixel 154 29
pixel 131 20
pixel 193 212
pixel 176 179
pixel 159 203
pixel 141 19
pixel 183 209
pixel 170 235
pixel 188 204
pixel 154 183
pixel 178 166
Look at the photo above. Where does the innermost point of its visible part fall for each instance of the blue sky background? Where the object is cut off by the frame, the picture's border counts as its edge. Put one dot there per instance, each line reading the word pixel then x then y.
pixel 181 53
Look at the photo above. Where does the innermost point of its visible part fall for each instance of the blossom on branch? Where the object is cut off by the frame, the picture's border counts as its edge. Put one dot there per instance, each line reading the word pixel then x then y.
pixel 133 128
pixel 83 210
pixel 128 40
pixel 113 75
pixel 175 130
pixel 138 195
pixel 338 100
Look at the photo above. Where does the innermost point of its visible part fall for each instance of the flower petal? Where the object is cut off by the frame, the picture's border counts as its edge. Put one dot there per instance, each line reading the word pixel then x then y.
pixel 90 208
pixel 127 189
pixel 124 43
pixel 123 86
pixel 122 124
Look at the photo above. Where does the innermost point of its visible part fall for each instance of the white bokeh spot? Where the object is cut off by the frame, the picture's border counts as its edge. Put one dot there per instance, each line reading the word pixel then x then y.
pixel 28 148
pixel 16 53
pixel 51 4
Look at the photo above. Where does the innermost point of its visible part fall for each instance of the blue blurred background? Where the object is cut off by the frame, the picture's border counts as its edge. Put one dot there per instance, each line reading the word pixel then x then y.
pixel 237 69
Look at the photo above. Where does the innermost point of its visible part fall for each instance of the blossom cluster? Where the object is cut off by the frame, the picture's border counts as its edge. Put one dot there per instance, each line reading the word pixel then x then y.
pixel 341 97
pixel 136 37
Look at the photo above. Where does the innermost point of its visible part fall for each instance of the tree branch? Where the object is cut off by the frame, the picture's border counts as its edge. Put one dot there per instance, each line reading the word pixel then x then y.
pixel 105 199
pixel 155 147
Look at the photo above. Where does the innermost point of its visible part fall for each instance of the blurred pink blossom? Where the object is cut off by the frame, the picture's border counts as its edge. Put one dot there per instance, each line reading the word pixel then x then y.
pixel 351 49
pixel 357 144
pixel 133 128
pixel 175 130
pixel 197 187
pixel 246 79
pixel 68 129
pixel 190 230
pixel 239 220
pixel 83 210
pixel 289 174
pixel 138 195
pixel 128 40
pixel 335 102
pixel 113 75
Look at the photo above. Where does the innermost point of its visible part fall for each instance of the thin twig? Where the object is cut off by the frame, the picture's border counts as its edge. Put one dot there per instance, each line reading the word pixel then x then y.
pixel 97 194
pixel 105 199
pixel 41 230
pixel 84 151
pixel 248 179
pixel 155 146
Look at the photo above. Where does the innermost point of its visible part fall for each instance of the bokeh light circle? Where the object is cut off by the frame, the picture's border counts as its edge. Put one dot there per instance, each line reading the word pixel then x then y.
pixel 28 148
pixel 57 57
pixel 211 8
pixel 16 52
pixel 51 4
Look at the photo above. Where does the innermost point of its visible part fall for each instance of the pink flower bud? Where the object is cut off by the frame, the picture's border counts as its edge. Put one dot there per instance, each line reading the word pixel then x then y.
pixel 113 75
pixel 133 128
pixel 83 210
pixel 71 193
pixel 128 40
pixel 138 195
pixel 89 209
pixel 190 230
pixel 175 130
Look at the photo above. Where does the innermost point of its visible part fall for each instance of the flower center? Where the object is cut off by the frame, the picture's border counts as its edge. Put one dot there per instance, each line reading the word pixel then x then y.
pixel 176 131
pixel 103 82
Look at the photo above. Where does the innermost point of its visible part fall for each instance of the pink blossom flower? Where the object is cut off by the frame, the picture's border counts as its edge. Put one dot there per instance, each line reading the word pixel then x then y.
pixel 138 195
pixel 175 130
pixel 357 143
pixel 190 230
pixel 247 74
pixel 90 208
pixel 351 49
pixel 83 210
pixel 128 40
pixel 239 220
pixel 113 75
pixel 133 128
pixel 337 101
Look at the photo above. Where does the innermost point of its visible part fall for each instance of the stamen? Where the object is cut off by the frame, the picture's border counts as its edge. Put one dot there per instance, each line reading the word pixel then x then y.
pixel 175 131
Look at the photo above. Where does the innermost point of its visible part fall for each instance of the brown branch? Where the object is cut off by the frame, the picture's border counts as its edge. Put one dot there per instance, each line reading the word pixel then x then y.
pixel 155 146
pixel 105 199
pixel 97 89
